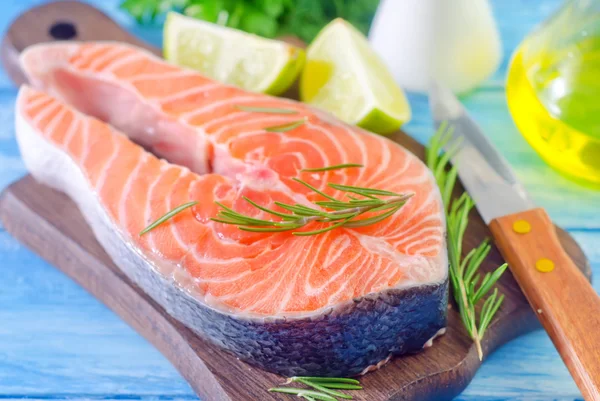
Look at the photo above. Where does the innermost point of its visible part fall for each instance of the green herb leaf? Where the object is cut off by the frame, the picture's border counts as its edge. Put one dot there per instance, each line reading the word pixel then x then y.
pixel 302 392
pixel 306 184
pixel 329 168
pixel 285 216
pixel 301 18
pixel 168 216
pixel 340 213
pixel 325 390
pixel 323 385
pixel 318 379
pixel 286 127
pixel 464 273
pixel 363 191
pixel 374 219
pixel 268 110
pixel 255 21
pixel 341 386
pixel 321 231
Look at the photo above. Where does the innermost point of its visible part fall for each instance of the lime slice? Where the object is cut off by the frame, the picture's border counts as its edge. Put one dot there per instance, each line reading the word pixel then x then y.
pixel 231 56
pixel 344 76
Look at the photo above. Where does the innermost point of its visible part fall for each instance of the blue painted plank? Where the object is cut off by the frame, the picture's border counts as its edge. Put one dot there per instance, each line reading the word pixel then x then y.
pixel 56 339
pixel 91 397
pixel 57 342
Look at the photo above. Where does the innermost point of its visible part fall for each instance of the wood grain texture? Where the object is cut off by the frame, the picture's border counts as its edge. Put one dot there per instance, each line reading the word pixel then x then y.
pixel 88 363
pixel 47 222
pixel 563 298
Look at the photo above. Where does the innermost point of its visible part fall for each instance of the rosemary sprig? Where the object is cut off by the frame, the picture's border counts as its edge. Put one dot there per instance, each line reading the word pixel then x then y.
pixel 168 216
pixel 468 287
pixel 303 393
pixel 268 110
pixel 322 388
pixel 335 213
pixel 286 127
pixel 329 168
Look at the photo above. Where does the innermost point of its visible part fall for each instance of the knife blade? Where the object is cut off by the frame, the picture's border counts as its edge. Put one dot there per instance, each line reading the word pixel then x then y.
pixel 563 299
pixel 483 171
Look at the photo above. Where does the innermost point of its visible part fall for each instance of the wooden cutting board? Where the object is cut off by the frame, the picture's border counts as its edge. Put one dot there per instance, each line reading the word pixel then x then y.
pixel 49 224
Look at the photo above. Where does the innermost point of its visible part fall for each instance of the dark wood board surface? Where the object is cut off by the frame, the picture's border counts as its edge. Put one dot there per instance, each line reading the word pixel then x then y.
pixel 49 224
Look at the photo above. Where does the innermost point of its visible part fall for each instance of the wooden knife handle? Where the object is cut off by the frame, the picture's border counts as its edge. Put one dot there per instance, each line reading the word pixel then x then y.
pixel 563 299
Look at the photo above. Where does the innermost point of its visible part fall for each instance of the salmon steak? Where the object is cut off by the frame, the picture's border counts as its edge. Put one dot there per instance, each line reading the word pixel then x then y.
pixel 130 137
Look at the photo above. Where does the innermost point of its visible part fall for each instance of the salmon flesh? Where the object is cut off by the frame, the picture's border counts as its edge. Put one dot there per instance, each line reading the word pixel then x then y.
pixel 129 137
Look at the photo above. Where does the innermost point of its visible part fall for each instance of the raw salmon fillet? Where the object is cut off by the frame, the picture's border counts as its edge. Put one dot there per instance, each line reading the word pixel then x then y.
pixel 336 303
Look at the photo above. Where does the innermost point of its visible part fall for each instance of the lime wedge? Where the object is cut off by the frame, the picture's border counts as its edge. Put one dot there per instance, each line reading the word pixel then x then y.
pixel 231 56
pixel 344 76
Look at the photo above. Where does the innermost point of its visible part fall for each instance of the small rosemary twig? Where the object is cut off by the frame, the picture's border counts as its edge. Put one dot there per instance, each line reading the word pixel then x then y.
pixel 329 168
pixel 168 216
pixel 336 213
pixel 322 388
pixel 286 127
pixel 267 110
pixel 464 277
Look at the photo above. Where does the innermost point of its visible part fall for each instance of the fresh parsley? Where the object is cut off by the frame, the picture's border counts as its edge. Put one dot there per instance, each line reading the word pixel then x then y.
pixel 269 18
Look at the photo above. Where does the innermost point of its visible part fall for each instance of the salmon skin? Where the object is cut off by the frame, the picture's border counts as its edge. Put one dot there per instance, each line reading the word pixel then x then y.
pixel 335 304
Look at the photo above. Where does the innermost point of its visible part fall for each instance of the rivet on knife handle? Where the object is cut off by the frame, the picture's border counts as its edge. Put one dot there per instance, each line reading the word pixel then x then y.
pixel 567 305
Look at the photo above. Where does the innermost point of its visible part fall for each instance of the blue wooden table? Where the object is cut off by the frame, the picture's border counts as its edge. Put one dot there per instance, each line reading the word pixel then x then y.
pixel 57 342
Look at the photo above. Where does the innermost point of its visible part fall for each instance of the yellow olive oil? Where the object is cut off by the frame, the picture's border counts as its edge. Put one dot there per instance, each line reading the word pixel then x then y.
pixel 554 98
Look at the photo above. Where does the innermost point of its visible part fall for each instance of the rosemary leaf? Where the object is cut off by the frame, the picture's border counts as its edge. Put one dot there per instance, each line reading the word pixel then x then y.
pixel 324 385
pixel 317 386
pixel 487 319
pixel 347 205
pixel 366 202
pixel 268 229
pixel 339 216
pixel 226 221
pixel 388 205
pixel 309 209
pixel 450 180
pixel 300 210
pixel 435 145
pixel 479 254
pixel 361 190
pixel 365 195
pixel 285 216
pixel 374 219
pixel 286 127
pixel 168 216
pixel 306 184
pixel 337 205
pixel 302 392
pixel 321 231
pixel 245 219
pixel 484 316
pixel 268 110
pixel 329 168
pixel 488 282
pixel 326 379
pixel 341 386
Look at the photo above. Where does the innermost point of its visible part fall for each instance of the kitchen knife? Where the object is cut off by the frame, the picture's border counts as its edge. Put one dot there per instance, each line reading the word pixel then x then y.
pixel 563 299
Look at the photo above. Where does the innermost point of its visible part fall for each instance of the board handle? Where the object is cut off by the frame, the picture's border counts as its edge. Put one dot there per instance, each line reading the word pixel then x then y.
pixel 560 295
pixel 56 21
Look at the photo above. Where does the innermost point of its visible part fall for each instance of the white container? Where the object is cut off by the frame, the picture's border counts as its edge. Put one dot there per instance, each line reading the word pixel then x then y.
pixel 455 41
